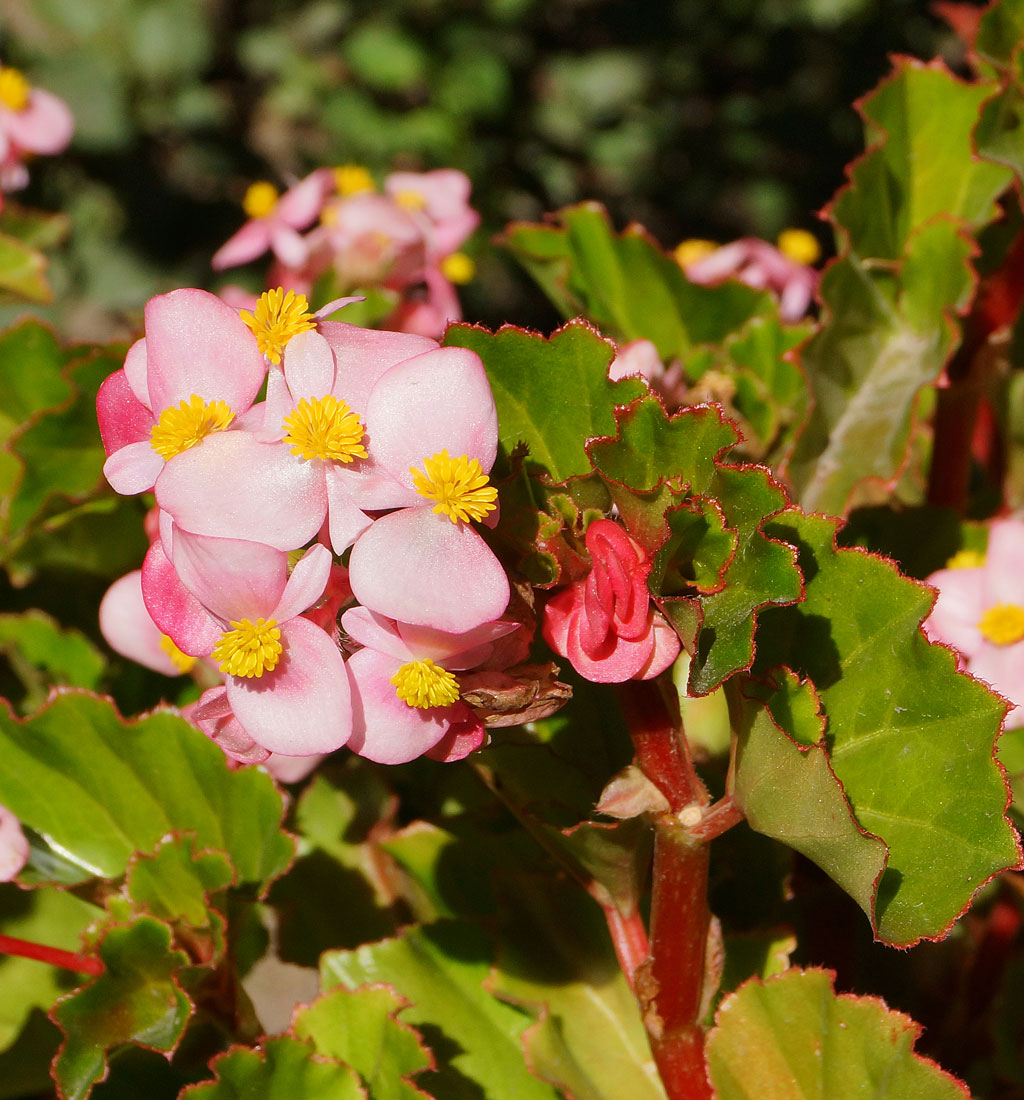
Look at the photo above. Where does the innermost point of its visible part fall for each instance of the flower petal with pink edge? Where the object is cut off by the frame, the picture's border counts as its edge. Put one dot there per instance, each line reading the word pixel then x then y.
pixel 248 243
pixel 306 584
pixel 622 659
pixel 363 355
pixel 233 486
pixel 122 417
pixel 384 728
pixel 134 468
pixel 197 344
pixel 958 608
pixel 304 705
pixel 346 521
pixel 176 612
pixel 666 648
pixel 45 125
pixel 433 402
pixel 301 204
pixel 232 578
pixel 461 739
pixel 136 369
pixel 214 716
pixel 421 568
pixel 128 628
pixel 1004 563
pixel 287 245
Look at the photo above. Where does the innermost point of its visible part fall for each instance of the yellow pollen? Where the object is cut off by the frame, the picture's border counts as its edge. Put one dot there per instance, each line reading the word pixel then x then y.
pixel 410 200
pixel 190 423
pixel 689 252
pixel 353 179
pixel 799 246
pixel 260 199
pixel 458 268
pixel 279 315
pixel 423 684
pixel 966 559
pixel 251 649
pixel 14 89
pixel 181 661
pixel 1003 624
pixel 324 428
pixel 459 485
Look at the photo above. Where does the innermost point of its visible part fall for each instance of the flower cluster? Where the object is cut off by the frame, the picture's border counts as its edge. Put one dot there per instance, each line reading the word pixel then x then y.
pixel 979 611
pixel 275 443
pixel 33 122
pixel 335 227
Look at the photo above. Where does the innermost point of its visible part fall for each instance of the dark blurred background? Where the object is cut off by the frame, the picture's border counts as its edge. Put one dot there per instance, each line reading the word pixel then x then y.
pixel 697 118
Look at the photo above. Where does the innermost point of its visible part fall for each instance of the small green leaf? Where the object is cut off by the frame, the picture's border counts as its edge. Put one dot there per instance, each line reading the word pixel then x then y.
pixel 135 999
pixel 1000 31
pixel 31 378
pixel 281 1068
pixel 22 270
pixel 35 228
pixel 97 789
pixel 174 882
pixel 43 655
pixel 786 789
pixel 793 1038
pixel 910 738
pixel 361 1029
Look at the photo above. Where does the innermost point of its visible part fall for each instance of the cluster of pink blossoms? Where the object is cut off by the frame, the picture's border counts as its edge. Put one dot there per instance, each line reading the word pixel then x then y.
pixel 334 225
pixel 276 442
pixel 33 122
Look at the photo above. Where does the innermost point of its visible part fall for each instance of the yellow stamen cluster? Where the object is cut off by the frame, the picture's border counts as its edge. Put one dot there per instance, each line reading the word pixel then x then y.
pixel 423 684
pixel 966 559
pixel 181 661
pixel 259 199
pixel 183 427
pixel 458 268
pixel 279 315
pixel 14 89
pixel 689 252
pixel 410 200
pixel 799 246
pixel 1003 624
pixel 459 485
pixel 353 179
pixel 249 650
pixel 324 428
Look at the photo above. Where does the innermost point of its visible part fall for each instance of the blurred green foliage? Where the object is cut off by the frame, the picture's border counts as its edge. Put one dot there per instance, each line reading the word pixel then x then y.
pixel 711 118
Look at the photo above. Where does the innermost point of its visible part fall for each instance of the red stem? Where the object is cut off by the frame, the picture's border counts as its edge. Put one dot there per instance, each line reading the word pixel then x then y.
pixel 629 938
pixel 84 964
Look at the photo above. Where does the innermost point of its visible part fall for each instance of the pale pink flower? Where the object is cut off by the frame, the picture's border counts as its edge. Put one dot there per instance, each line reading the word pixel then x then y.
pixel 605 624
pixel 441 199
pixel 14 848
pixel 128 629
pixel 32 122
pixel 405 697
pixel 979 611
pixel 274 222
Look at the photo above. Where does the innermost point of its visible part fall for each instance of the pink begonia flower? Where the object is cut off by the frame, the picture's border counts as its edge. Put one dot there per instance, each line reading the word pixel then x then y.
pixel 759 265
pixel 32 121
pixel 405 698
pixel 13 846
pixel 369 239
pixel 274 222
pixel 441 198
pixel 128 629
pixel 638 357
pixel 432 426
pixel 979 611
pixel 285 679
pixel 605 624
pixel 196 373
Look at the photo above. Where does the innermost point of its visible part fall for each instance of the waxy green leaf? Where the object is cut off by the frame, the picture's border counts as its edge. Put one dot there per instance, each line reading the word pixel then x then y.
pixel 97 790
pixel 793 1038
pixel 135 1000
pixel 910 739
pixel 43 656
pixel 174 883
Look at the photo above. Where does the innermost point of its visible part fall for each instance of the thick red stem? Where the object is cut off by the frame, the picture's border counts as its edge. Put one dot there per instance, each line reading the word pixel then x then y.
pixel 84 964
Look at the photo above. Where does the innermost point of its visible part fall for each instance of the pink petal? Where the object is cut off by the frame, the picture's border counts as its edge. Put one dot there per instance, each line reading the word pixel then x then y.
pixel 1002 667
pixel 437 401
pixel 454 651
pixel 421 568
pixel 384 728
pixel 1004 563
pixel 128 629
pixel 233 486
pixel 376 632
pixel 461 739
pixel 666 648
pixel 214 716
pixel 291 769
pixel 363 355
pixel 619 660
pixel 308 366
pixel 306 584
pixel 233 579
pixel 45 125
pixel 14 848
pixel 176 612
pixel 300 205
pixel 248 243
pixel 287 245
pixel 303 706
pixel 346 521
pixel 958 609
pixel 136 368
pixel 122 417
pixel 197 344
pixel 133 469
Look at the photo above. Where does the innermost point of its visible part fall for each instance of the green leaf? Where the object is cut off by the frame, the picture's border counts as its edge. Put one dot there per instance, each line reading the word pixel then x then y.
pixel 888 333
pixel 174 882
pixel 441 970
pixel 97 790
pixel 35 228
pixel 360 1028
pixel 1000 31
pixel 22 270
pixel 627 285
pixel 551 394
pixel 910 739
pixel 281 1068
pixel 31 378
pixel 793 1038
pixel 786 789
pixel 43 655
pixel 135 999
